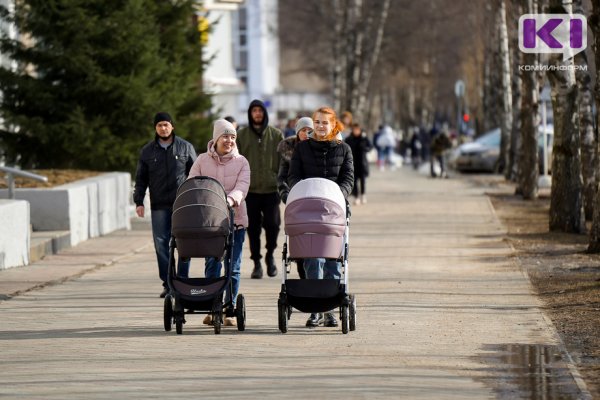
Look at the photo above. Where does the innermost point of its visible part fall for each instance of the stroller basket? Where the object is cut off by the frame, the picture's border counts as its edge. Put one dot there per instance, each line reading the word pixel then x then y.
pixel 201 219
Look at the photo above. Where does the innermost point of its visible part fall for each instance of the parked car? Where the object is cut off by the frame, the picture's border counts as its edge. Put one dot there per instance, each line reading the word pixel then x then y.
pixel 482 154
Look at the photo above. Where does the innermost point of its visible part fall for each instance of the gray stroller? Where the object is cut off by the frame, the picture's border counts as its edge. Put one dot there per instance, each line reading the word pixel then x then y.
pixel 202 226
pixel 316 225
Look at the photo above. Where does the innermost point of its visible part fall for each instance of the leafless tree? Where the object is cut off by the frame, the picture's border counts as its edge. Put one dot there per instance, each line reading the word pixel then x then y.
pixel 594 23
pixel 506 89
pixel 566 204
pixel 512 169
pixel 585 101
pixel 528 158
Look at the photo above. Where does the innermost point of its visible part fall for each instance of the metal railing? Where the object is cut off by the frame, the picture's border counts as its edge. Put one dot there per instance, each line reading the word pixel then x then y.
pixel 10 177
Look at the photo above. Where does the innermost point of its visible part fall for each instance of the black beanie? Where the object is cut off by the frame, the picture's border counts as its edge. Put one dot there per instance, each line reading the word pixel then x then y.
pixel 162 116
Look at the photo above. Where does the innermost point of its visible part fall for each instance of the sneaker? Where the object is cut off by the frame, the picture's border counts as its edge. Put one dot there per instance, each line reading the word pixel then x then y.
pixel 314 320
pixel 230 321
pixel 164 293
pixel 271 267
pixel 330 320
pixel 357 201
pixel 363 199
pixel 257 273
pixel 207 320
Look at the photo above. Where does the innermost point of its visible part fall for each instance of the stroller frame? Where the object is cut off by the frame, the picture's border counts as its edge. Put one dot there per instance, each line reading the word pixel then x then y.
pixel 209 293
pixel 331 293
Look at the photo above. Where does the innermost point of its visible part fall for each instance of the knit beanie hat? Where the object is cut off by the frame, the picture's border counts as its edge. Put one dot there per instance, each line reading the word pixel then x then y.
pixel 162 116
pixel 303 123
pixel 221 127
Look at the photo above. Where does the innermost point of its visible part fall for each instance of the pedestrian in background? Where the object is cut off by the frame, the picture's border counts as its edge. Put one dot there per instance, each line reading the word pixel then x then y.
pixel 346 119
pixel 360 145
pixel 223 162
pixel 258 143
pixel 231 120
pixel 289 129
pixel 163 165
pixel 439 144
pixel 387 143
pixel 323 155
pixel 304 127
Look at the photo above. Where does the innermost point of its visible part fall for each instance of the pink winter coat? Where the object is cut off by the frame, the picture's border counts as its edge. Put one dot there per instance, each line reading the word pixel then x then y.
pixel 233 171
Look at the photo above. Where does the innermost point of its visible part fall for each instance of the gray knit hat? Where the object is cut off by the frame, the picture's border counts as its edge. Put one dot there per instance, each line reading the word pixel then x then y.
pixel 303 123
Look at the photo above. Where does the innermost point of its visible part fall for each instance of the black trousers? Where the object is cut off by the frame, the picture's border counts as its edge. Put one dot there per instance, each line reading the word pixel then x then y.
pixel 263 212
pixel 363 181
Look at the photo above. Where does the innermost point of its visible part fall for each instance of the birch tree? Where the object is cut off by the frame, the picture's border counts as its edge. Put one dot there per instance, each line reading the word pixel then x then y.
pixel 512 170
pixel 566 203
pixel 585 100
pixel 528 159
pixel 506 121
pixel 594 23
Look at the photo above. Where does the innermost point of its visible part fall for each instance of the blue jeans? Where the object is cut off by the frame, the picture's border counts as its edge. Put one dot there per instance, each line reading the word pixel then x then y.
pixel 213 267
pixel 319 268
pixel 161 232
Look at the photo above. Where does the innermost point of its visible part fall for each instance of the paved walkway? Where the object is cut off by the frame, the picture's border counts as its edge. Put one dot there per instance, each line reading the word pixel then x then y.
pixel 443 312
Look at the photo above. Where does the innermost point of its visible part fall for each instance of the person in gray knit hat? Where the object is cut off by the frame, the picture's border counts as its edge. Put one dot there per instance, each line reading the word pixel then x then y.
pixel 304 127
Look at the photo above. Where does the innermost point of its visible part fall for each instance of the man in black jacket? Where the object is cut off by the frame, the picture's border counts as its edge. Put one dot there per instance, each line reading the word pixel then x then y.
pixel 164 164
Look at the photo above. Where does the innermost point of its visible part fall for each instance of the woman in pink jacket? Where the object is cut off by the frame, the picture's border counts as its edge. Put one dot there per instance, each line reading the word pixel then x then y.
pixel 224 163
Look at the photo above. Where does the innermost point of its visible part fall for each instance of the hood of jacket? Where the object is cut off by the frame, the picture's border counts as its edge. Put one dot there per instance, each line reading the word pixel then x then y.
pixel 285 148
pixel 265 122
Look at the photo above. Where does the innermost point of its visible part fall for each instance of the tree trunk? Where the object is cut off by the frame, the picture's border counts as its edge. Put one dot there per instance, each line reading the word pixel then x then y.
pixel 339 46
pixel 506 122
pixel 512 170
pixel 528 160
pixel 594 23
pixel 586 127
pixel 566 203
pixel 370 60
pixel 357 55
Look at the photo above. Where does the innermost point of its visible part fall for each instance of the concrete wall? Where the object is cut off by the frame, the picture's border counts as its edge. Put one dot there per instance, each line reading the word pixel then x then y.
pixel 87 208
pixel 108 197
pixel 14 233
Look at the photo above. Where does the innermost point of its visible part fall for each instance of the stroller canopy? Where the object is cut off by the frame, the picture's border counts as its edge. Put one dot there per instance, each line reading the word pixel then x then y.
pixel 200 209
pixel 315 205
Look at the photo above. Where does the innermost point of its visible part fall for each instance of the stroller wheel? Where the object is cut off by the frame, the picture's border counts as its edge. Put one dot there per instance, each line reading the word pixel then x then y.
pixel 240 312
pixel 352 310
pixel 168 313
pixel 283 316
pixel 345 319
pixel 217 321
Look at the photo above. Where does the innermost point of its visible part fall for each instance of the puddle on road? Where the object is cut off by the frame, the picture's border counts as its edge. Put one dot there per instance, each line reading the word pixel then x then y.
pixel 521 371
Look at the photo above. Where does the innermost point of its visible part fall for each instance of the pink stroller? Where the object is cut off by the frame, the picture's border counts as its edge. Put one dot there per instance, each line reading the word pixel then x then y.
pixel 316 225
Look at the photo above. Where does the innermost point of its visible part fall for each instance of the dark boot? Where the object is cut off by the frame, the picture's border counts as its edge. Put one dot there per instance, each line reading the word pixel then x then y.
pixel 314 320
pixel 163 294
pixel 257 273
pixel 330 320
pixel 271 267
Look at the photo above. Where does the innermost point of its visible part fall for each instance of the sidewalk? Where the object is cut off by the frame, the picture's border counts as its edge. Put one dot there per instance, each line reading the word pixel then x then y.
pixel 73 262
pixel 443 312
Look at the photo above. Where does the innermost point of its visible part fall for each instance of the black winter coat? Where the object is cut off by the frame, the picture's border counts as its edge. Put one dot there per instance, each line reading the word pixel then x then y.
pixel 162 170
pixel 360 145
pixel 315 159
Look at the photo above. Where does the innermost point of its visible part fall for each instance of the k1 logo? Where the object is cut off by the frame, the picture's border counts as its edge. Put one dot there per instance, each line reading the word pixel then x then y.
pixel 553 33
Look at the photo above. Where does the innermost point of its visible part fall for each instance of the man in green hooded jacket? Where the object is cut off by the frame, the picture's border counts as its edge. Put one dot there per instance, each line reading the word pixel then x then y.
pixel 258 143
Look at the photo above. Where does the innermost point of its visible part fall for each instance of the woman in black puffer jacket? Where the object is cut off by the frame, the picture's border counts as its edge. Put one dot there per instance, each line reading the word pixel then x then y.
pixel 323 155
